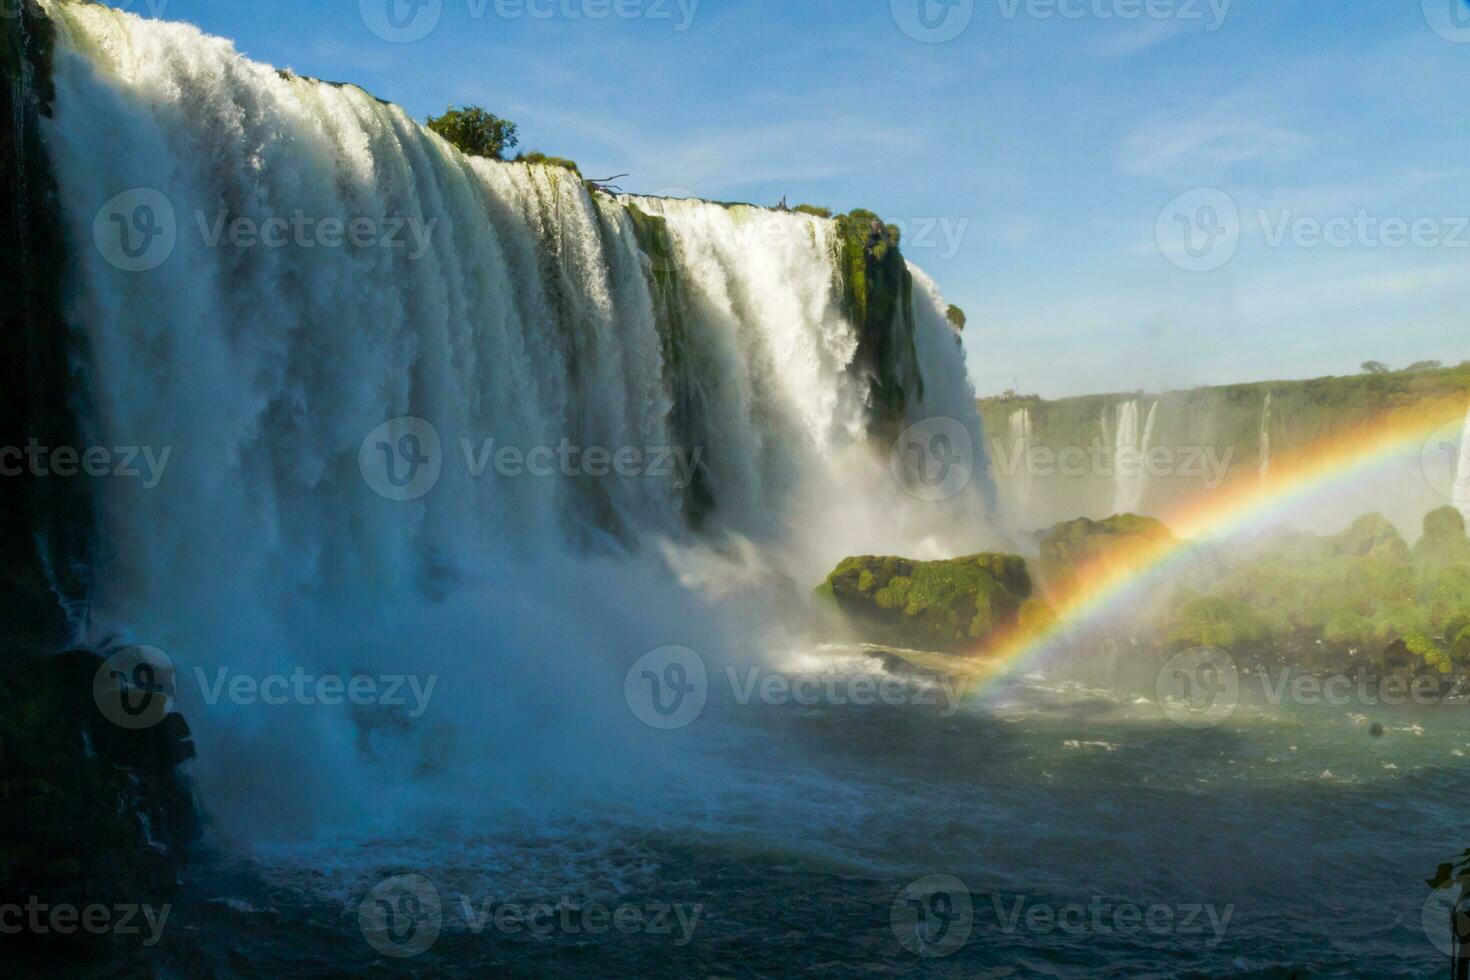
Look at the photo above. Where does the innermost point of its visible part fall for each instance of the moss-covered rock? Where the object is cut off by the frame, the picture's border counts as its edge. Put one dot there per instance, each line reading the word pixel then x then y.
pixel 1444 538
pixel 1373 536
pixel 1074 545
pixel 942 605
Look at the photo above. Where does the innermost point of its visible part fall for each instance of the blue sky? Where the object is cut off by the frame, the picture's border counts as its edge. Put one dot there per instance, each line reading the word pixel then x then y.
pixel 1030 156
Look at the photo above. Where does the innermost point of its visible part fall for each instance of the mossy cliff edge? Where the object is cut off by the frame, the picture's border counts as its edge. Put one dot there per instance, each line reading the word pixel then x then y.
pixel 877 294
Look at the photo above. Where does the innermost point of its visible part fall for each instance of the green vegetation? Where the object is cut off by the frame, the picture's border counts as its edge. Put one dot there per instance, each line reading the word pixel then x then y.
pixel 814 209
pixel 937 605
pixel 1082 543
pixel 536 156
pixel 1372 536
pixel 476 132
pixel 1216 621
pixel 1444 540
pixel 1360 593
pixel 956 317
pixel 877 297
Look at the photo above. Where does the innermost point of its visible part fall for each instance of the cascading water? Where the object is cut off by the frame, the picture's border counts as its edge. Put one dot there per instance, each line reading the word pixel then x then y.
pixel 1265 447
pixel 1130 449
pixel 235 332
pixel 1020 448
pixel 1462 472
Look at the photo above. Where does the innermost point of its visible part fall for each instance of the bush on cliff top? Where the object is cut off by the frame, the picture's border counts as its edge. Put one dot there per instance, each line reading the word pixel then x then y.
pixel 476 132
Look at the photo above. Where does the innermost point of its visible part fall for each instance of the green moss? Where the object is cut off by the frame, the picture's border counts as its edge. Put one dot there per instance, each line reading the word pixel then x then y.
pixel 935 604
pixel 876 295
pixel 1460 648
pixel 535 156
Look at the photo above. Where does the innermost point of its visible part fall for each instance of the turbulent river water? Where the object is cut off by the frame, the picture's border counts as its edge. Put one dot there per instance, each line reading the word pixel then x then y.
pixel 1094 837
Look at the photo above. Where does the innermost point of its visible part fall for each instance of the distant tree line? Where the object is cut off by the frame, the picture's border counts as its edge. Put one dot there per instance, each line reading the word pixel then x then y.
pixel 1378 367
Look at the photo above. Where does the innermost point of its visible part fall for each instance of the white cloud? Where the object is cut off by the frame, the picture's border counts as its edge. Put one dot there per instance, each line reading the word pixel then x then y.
pixel 1202 148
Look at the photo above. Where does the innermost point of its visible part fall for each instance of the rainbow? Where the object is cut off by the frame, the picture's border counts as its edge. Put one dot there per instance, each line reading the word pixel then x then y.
pixel 1103 586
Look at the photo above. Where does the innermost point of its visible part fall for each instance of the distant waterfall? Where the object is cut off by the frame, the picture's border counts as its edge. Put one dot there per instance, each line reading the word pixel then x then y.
pixel 1020 449
pixel 1130 451
pixel 1265 450
pixel 1462 472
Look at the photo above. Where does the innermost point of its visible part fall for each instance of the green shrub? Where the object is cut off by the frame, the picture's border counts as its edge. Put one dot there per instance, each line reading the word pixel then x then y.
pixel 476 132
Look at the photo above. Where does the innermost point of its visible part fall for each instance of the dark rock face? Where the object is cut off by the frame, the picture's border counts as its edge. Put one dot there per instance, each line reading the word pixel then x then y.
pixel 934 605
pixel 93 812
pixel 48 522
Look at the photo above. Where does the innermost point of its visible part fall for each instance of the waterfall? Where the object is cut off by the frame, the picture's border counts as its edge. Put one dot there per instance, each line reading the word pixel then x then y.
pixel 485 307
pixel 1130 452
pixel 1020 449
pixel 1265 449
pixel 1462 472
